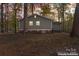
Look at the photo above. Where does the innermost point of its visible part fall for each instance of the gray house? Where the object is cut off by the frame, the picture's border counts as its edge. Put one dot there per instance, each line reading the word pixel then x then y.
pixel 39 23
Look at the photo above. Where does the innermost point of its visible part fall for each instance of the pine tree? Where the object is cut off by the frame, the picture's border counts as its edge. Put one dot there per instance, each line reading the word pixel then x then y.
pixel 75 28
pixel 2 20
pixel 25 15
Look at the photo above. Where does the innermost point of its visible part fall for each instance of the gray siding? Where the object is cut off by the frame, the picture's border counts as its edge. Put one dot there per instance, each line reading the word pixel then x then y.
pixel 21 25
pixel 44 23
pixel 56 27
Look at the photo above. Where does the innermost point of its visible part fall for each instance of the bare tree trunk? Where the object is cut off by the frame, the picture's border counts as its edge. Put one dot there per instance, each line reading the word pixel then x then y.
pixel 25 15
pixel 59 18
pixel 32 7
pixel 15 12
pixel 6 17
pixel 75 28
pixel 62 13
pixel 2 22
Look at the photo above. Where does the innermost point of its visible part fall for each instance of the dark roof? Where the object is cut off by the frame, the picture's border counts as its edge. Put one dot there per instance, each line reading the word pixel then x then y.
pixel 42 17
pixel 39 16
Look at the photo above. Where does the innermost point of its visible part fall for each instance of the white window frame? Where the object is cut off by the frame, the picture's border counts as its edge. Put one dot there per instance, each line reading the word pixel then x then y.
pixel 30 23
pixel 37 23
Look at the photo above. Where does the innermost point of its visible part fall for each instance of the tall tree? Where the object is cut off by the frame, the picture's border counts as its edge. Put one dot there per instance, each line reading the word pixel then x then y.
pixel 32 8
pixel 63 8
pixel 62 15
pixel 75 28
pixel 6 17
pixel 2 20
pixel 15 14
pixel 25 14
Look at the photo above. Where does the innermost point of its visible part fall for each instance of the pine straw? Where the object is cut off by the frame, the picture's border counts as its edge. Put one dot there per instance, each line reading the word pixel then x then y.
pixel 35 43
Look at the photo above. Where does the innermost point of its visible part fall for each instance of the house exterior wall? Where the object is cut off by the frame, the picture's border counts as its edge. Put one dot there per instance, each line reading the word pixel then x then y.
pixel 45 24
pixel 75 28
pixel 21 25
pixel 56 27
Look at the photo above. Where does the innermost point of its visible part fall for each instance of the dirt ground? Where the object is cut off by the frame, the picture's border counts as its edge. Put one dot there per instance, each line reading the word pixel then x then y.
pixel 35 44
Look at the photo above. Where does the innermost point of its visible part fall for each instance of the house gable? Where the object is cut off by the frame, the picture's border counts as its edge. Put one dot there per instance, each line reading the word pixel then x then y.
pixel 36 16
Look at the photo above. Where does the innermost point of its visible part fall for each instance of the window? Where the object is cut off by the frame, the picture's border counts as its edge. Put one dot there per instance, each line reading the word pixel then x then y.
pixel 38 23
pixel 31 23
